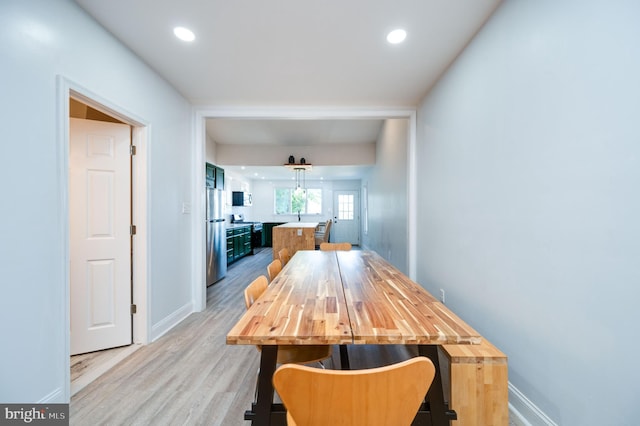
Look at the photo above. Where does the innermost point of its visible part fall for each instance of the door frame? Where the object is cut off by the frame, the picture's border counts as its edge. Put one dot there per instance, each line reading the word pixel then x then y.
pixel 199 291
pixel 67 89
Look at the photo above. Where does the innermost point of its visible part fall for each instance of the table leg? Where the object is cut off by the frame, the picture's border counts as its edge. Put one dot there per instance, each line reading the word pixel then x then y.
pixel 344 358
pixel 435 395
pixel 262 407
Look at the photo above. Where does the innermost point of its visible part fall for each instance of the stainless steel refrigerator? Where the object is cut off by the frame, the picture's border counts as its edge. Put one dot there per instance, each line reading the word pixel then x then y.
pixel 216 237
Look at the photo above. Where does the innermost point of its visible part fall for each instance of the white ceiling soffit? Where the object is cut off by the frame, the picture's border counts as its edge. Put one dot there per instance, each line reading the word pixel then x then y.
pixel 296 53
pixel 279 175
pixel 331 142
pixel 292 132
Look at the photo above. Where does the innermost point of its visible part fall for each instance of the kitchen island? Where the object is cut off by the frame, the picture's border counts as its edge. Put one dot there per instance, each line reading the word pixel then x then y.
pixel 294 236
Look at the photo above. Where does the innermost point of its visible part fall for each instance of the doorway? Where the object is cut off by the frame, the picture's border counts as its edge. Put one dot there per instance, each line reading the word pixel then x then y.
pixel 346 219
pixel 202 114
pixel 70 96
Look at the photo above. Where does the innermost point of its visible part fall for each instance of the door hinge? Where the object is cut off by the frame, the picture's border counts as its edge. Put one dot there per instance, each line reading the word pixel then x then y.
pixel 133 309
pixel 132 150
pixel 132 230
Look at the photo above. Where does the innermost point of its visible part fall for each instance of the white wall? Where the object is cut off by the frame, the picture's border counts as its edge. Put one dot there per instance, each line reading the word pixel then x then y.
pixel 210 150
pixel 40 40
pixel 263 199
pixel 355 154
pixel 387 188
pixel 234 182
pixel 529 207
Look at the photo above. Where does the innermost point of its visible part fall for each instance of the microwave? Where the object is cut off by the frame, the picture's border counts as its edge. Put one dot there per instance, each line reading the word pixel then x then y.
pixel 239 198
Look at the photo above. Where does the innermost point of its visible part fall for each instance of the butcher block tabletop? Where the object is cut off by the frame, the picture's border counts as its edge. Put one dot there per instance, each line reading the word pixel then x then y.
pixel 347 297
pixel 385 306
pixel 303 305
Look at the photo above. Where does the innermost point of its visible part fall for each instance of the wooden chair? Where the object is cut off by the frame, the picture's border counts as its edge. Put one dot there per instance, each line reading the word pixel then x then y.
pixel 383 396
pixel 274 269
pixel 255 290
pixel 322 234
pixel 301 354
pixel 327 231
pixel 335 246
pixel 284 256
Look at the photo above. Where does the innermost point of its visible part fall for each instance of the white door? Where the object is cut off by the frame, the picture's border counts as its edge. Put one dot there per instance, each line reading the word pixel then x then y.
pixel 346 217
pixel 100 241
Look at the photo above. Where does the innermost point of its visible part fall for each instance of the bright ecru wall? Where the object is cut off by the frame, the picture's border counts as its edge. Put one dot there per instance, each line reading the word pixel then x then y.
pixel 39 41
pixel 387 189
pixel 529 206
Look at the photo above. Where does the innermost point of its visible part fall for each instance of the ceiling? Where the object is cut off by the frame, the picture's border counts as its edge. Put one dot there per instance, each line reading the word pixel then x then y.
pixel 294 133
pixel 295 54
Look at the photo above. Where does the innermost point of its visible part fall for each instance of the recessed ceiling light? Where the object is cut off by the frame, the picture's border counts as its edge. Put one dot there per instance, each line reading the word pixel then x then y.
pixel 396 36
pixel 184 34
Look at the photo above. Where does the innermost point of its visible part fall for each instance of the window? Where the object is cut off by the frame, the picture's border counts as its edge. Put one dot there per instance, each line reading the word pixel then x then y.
pixel 292 201
pixel 346 204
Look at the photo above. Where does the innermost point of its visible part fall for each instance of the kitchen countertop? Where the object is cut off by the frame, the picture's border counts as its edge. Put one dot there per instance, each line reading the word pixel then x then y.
pixel 298 225
pixel 237 225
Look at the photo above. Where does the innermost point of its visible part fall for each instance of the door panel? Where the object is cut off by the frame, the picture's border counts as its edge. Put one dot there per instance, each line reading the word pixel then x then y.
pixel 346 220
pixel 100 241
pixel 100 289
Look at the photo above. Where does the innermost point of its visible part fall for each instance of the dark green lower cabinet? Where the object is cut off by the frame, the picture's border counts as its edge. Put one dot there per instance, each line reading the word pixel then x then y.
pixel 238 243
pixel 267 227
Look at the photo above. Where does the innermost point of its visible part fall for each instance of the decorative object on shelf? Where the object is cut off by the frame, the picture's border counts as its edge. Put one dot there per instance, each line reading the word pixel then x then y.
pixel 303 161
pixel 292 160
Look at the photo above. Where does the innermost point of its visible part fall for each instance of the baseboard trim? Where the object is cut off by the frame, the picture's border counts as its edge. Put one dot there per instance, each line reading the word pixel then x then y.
pixel 54 397
pixel 525 412
pixel 167 323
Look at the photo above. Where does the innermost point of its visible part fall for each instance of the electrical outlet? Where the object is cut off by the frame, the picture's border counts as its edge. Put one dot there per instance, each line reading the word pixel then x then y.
pixel 442 295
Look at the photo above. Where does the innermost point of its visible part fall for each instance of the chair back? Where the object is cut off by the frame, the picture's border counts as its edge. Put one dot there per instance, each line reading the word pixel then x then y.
pixel 322 233
pixel 335 246
pixel 383 396
pixel 284 256
pixel 327 230
pixel 274 269
pixel 255 290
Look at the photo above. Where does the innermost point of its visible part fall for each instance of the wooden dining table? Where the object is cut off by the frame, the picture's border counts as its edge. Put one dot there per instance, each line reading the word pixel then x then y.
pixel 346 298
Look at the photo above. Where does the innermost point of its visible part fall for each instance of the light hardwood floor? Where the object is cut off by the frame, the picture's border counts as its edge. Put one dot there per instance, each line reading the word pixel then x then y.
pixel 187 377
pixel 85 368
pixel 190 376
